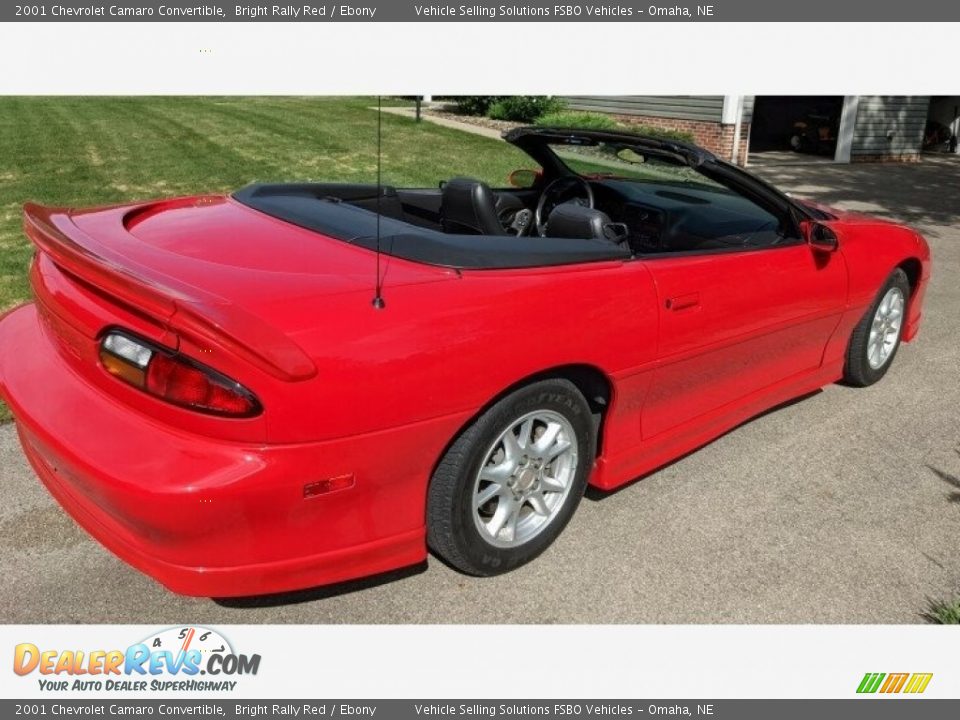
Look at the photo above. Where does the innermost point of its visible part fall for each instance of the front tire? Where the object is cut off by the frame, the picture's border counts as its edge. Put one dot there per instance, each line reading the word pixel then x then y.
pixel 876 338
pixel 509 484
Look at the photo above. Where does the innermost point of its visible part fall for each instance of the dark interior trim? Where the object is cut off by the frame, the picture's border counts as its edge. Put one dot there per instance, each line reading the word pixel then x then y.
pixel 322 208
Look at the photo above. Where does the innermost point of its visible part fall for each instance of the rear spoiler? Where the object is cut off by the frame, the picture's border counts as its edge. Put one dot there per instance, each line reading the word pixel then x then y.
pixel 184 309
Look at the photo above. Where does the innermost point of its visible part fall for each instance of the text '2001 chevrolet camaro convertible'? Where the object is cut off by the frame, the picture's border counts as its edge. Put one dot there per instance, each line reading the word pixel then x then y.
pixel 300 384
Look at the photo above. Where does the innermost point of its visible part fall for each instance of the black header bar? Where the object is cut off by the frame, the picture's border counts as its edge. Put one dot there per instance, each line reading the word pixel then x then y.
pixel 482 11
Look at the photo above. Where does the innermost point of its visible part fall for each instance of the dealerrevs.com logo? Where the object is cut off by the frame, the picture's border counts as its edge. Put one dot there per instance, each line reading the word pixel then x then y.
pixel 177 659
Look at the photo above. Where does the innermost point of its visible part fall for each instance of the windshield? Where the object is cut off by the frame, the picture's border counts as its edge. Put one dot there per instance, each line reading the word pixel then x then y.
pixel 690 210
pixel 601 159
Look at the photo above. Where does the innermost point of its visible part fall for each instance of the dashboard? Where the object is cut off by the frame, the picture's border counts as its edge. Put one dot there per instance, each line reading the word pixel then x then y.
pixel 677 216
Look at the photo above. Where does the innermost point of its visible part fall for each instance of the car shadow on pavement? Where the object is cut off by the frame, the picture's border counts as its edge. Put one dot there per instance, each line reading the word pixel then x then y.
pixel 596 494
pixel 324 592
pixel 916 193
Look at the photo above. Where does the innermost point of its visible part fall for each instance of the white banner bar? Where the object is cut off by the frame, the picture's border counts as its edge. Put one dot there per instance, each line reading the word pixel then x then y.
pixel 327 662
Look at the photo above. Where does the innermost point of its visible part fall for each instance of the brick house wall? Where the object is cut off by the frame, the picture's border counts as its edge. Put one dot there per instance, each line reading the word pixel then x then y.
pixel 700 115
pixel 713 136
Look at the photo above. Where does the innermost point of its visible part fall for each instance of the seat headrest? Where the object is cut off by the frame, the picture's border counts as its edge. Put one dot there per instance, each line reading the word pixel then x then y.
pixel 468 205
pixel 571 220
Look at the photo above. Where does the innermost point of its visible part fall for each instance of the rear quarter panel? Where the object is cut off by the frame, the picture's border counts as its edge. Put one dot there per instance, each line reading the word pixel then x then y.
pixel 444 348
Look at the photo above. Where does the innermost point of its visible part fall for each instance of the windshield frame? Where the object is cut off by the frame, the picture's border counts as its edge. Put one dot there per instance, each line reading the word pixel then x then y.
pixel 536 142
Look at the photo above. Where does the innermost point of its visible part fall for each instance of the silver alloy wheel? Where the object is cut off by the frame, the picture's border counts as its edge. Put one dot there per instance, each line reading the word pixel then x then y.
pixel 525 479
pixel 885 328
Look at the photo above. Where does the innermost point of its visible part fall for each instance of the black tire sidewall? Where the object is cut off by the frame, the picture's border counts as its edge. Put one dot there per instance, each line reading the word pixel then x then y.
pixel 559 396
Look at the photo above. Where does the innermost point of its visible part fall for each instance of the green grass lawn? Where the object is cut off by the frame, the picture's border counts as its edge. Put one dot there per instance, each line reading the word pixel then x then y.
pixel 88 151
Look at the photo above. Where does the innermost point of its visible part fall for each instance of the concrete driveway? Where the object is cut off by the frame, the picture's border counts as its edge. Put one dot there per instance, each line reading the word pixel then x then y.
pixel 841 508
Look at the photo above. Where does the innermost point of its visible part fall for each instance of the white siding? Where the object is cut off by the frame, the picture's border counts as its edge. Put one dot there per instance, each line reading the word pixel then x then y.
pixel 889 124
pixel 707 108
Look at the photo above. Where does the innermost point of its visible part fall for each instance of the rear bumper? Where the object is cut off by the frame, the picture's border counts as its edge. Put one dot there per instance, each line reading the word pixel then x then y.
pixel 266 577
pixel 210 517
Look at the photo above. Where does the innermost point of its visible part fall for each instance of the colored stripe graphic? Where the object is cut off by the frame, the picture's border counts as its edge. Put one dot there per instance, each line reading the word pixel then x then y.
pixel 918 682
pixel 870 682
pixel 894 683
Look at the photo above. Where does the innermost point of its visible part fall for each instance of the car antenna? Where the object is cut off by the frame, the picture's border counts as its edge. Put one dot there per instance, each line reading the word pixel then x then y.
pixel 378 301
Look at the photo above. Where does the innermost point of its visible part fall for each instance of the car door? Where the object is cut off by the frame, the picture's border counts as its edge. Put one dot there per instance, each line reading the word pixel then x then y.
pixel 733 323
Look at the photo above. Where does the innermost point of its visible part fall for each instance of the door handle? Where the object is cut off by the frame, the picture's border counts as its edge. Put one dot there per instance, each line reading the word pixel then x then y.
pixel 683 302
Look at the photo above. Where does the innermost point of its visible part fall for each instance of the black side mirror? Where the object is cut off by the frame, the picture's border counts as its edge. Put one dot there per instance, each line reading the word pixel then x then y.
pixel 821 237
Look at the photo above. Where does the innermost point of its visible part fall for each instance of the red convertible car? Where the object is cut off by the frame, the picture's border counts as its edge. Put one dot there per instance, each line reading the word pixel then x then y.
pixel 300 384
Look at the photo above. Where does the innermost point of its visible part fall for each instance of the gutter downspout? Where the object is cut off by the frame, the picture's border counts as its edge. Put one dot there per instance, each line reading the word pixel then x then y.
pixel 737 129
pixel 848 121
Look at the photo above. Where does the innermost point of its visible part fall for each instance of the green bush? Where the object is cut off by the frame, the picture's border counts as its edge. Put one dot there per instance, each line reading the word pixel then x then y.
pixel 474 104
pixel 517 108
pixel 599 121
pixel 579 120
pixel 523 108
pixel 665 134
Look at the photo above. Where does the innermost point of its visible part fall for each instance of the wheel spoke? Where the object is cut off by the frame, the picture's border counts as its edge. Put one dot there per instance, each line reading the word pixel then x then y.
pixel 498 473
pixel 488 494
pixel 548 438
pixel 510 531
pixel 526 433
pixel 549 484
pixel 511 447
pixel 539 504
pixel 500 517
pixel 557 450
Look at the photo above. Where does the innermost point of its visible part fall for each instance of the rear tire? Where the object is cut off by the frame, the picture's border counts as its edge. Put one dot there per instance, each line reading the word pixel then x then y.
pixel 509 484
pixel 876 338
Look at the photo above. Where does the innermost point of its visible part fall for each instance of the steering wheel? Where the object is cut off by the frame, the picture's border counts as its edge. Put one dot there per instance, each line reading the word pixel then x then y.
pixel 567 188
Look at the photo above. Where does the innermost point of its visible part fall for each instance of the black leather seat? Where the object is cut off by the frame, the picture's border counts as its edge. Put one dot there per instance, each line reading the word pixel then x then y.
pixel 571 220
pixel 469 207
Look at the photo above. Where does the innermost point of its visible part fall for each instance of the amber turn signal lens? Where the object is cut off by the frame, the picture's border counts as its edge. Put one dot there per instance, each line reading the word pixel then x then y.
pixel 122 369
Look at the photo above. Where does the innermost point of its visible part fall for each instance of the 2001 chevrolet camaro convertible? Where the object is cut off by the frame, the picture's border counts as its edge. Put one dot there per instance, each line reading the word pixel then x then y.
pixel 240 395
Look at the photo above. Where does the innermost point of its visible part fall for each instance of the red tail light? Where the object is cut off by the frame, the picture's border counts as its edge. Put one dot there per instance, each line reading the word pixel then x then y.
pixel 174 378
pixel 188 385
